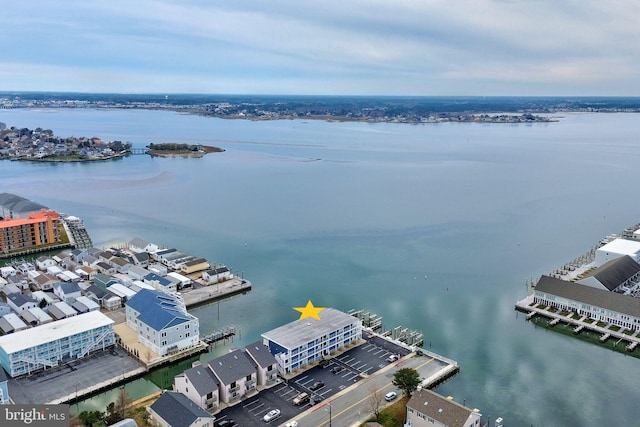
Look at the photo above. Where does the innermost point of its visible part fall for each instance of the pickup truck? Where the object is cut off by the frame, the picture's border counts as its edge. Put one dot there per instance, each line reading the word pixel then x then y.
pixel 300 399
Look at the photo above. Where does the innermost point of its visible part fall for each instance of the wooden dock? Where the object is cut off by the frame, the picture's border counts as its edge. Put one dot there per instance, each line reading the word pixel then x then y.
pixel 220 334
pixel 205 294
pixel 526 305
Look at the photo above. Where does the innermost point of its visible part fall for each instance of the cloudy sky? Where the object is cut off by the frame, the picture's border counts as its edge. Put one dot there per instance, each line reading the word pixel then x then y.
pixel 340 47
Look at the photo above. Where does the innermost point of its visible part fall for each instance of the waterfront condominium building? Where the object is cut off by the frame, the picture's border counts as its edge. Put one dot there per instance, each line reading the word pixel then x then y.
pixel 602 305
pixel 46 345
pixel 37 229
pixel 302 342
pixel 162 322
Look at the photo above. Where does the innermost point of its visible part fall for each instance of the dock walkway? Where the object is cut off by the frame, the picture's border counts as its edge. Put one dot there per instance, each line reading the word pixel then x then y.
pixel 526 306
pixel 215 292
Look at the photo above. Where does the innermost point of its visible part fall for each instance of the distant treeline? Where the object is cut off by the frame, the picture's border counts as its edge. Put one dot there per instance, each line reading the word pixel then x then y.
pixel 170 146
pixel 322 104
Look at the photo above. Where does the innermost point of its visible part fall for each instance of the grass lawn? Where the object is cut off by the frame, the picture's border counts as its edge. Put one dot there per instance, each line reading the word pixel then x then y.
pixel 393 415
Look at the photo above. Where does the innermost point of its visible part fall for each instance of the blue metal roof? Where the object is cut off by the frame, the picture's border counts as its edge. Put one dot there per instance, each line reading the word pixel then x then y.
pixel 157 309
pixel 68 287
pixel 154 277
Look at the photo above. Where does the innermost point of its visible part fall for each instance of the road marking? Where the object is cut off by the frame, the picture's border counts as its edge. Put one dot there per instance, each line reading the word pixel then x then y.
pixel 257 408
pixel 366 397
pixel 251 403
pixel 302 378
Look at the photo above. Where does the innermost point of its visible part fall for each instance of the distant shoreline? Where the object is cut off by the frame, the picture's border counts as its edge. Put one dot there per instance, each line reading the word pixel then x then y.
pixel 65 160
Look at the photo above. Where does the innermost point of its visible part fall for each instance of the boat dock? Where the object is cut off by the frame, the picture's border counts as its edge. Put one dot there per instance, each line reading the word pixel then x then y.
pixel 580 323
pixel 205 294
pixel 404 335
pixel 220 334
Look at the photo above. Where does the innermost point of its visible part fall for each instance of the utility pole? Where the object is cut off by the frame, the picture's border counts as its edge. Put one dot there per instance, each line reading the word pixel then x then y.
pixel 328 404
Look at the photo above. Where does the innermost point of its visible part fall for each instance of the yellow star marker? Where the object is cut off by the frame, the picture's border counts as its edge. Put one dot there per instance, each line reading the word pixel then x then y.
pixel 309 311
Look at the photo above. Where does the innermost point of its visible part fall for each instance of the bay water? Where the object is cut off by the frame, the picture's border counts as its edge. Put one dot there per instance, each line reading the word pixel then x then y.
pixel 435 227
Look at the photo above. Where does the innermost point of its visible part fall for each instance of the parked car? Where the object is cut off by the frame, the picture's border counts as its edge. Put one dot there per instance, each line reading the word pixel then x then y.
pixel 271 415
pixel 392 358
pixel 324 363
pixel 300 399
pixel 316 386
pixel 316 398
pixel 336 369
pixel 390 396
pixel 225 423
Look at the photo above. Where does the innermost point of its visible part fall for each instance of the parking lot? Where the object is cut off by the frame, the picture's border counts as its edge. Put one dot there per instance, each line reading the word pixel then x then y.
pixel 335 375
pixel 73 377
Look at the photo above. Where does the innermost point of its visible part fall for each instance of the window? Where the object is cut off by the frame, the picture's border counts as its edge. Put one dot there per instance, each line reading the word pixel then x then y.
pixel 248 377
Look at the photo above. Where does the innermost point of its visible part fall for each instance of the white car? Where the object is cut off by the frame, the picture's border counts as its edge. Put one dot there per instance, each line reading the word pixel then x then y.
pixel 271 415
pixel 291 424
pixel 390 396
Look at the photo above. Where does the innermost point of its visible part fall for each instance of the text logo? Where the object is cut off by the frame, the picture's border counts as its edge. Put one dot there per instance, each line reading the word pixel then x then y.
pixel 34 415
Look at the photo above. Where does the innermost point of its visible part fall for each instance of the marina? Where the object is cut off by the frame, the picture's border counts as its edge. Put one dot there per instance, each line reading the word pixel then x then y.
pixel 357 235
pixel 399 333
pixel 581 324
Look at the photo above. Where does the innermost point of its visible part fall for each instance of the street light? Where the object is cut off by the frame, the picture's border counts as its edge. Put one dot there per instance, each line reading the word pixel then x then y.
pixel 329 403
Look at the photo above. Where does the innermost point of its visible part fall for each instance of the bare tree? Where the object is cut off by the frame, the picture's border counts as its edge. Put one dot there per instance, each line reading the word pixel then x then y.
pixel 122 403
pixel 374 401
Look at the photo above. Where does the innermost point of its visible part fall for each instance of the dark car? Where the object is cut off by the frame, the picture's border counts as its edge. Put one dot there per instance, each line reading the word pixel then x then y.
pixel 225 423
pixel 317 385
pixel 324 363
pixel 316 398
pixel 336 369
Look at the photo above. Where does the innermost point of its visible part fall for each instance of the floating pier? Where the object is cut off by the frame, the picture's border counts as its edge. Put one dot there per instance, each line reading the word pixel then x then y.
pixel 374 322
pixel 369 320
pixel 220 334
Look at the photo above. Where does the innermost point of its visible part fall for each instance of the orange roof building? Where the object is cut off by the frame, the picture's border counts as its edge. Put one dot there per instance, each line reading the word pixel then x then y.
pixel 37 229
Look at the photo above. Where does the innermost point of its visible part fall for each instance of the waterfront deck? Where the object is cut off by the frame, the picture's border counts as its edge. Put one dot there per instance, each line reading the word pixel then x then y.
pixel 203 294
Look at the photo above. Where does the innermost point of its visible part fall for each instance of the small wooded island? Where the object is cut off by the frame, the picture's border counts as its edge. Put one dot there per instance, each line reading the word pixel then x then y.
pixel 170 149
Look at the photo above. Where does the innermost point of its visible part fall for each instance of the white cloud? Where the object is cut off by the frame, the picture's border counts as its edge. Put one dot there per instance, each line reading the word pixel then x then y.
pixel 353 47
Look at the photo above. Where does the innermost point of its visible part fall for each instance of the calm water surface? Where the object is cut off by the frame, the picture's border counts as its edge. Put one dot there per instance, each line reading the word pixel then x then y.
pixel 434 227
